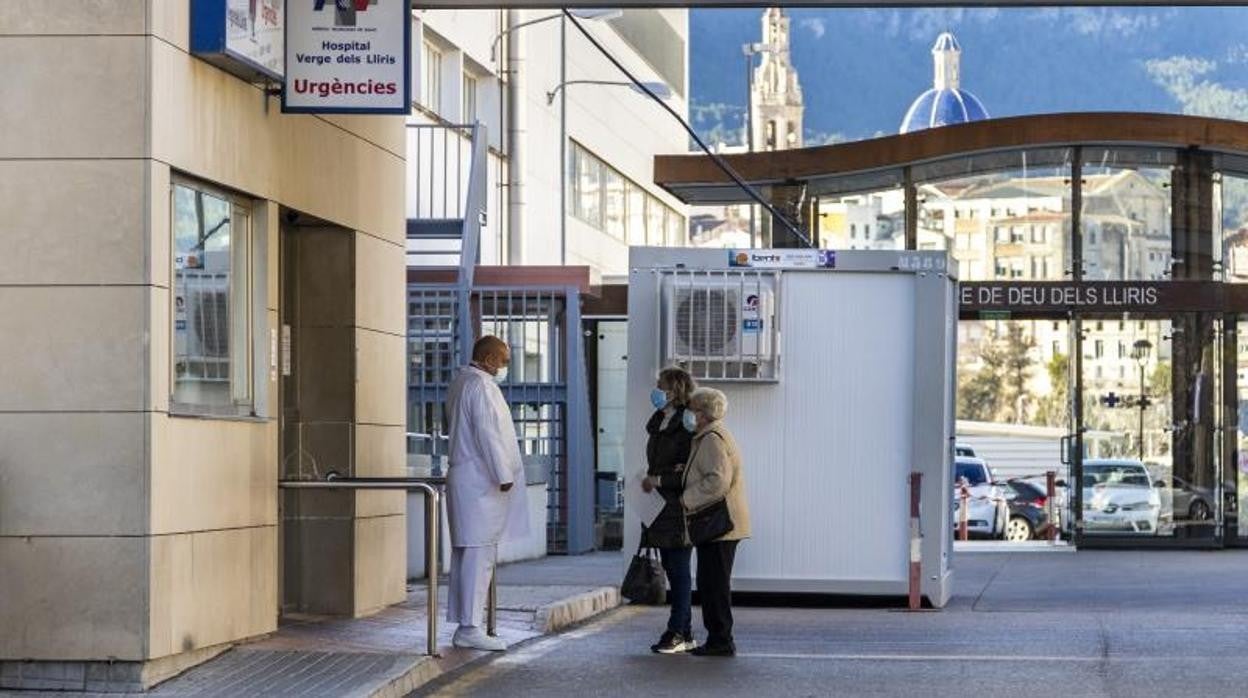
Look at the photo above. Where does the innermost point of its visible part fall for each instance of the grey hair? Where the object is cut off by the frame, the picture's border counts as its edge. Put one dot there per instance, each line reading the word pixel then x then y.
pixel 710 402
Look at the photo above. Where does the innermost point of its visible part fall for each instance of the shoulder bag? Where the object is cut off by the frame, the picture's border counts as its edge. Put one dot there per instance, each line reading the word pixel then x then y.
pixel 710 522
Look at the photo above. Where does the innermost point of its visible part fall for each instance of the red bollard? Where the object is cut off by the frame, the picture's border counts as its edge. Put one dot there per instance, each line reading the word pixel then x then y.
pixel 1050 481
pixel 963 531
pixel 916 542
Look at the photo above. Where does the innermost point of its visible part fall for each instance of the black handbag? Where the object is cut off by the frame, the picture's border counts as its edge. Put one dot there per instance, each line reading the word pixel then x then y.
pixel 709 522
pixel 645 582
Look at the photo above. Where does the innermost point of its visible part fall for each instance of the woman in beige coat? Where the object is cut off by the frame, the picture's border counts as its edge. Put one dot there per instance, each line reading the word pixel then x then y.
pixel 714 473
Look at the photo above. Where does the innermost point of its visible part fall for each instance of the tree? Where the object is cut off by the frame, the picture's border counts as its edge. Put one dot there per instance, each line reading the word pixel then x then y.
pixel 1055 407
pixel 997 392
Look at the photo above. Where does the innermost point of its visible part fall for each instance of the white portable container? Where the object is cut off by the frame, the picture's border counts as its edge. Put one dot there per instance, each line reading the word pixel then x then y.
pixel 839 371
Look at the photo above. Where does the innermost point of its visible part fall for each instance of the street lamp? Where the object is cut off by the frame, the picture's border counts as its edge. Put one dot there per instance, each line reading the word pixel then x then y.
pixel 515 126
pixel 658 89
pixel 1140 352
pixel 601 15
pixel 751 50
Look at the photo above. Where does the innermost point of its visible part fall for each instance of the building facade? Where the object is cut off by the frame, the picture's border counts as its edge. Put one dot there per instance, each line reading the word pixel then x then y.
pixel 513 71
pixel 201 296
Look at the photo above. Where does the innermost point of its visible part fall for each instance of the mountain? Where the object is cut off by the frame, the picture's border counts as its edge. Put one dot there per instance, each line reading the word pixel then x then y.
pixel 861 68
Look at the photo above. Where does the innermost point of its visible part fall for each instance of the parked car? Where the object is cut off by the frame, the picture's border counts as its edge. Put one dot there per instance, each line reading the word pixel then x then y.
pixel 1119 495
pixel 1029 515
pixel 988 514
pixel 1192 503
pixel 963 451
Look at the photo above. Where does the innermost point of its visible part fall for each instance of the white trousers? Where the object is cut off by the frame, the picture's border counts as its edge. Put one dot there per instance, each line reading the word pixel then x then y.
pixel 471 569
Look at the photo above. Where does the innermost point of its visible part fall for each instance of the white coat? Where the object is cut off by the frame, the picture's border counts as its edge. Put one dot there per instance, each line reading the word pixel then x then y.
pixel 484 454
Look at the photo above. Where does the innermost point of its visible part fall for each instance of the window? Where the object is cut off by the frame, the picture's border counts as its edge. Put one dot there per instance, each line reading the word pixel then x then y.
pixel 853 230
pixel 212 313
pixel 587 186
pixel 1100 349
pixel 616 213
pixel 614 204
pixel 469 114
pixel 431 78
pixel 675 228
pixel 654 222
pixel 636 213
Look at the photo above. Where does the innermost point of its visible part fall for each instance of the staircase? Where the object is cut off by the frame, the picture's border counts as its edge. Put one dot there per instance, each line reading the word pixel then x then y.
pixel 446 201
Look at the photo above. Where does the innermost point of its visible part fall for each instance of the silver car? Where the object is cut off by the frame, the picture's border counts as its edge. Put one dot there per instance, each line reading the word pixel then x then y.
pixel 1119 495
pixel 987 512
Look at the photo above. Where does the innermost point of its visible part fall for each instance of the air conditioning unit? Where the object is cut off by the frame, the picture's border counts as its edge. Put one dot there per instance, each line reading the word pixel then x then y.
pixel 721 325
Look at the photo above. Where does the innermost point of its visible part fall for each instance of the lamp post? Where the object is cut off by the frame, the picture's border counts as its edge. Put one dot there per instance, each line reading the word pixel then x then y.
pixel 516 127
pixel 658 89
pixel 751 50
pixel 596 15
pixel 1140 352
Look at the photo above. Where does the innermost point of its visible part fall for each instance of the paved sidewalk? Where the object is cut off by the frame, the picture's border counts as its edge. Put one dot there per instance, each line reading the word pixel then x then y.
pixel 383 654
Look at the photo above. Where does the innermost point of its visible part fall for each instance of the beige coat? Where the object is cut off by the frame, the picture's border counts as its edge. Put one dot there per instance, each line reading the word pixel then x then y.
pixel 713 473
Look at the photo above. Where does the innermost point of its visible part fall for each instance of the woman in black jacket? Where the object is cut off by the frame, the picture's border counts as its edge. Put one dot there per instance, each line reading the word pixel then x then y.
pixel 667 451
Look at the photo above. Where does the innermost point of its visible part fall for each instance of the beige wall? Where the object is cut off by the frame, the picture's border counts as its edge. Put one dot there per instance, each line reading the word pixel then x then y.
pixel 126 532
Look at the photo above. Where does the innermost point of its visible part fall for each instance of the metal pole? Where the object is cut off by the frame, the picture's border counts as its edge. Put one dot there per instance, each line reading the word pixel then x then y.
pixel 749 125
pixel 433 522
pixel 563 140
pixel 491 608
pixel 1141 412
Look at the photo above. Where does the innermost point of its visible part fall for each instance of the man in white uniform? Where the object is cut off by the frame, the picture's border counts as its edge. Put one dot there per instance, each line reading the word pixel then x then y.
pixel 485 494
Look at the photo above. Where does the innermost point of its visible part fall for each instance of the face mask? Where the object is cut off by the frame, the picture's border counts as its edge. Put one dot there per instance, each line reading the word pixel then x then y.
pixel 501 375
pixel 690 421
pixel 658 398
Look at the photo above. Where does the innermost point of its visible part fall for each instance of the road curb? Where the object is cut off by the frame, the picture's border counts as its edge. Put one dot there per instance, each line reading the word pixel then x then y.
pixel 554 617
pixel 547 620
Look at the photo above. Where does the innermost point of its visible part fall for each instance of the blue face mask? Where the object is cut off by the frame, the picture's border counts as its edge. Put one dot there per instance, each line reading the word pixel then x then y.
pixel 658 398
pixel 690 421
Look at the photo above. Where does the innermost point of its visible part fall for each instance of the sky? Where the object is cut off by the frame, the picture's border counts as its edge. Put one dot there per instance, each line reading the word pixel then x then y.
pixel 861 68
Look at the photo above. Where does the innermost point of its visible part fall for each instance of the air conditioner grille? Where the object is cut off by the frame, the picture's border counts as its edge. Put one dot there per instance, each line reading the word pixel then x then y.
pixel 706 321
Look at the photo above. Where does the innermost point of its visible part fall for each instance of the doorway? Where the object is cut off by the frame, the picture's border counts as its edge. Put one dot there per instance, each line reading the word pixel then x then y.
pixel 1146 454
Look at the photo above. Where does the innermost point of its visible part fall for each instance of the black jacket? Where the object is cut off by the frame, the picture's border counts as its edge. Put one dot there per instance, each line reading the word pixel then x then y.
pixel 665 450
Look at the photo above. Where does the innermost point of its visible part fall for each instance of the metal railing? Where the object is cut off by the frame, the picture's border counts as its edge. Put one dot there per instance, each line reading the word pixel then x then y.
pixel 441 156
pixel 433 519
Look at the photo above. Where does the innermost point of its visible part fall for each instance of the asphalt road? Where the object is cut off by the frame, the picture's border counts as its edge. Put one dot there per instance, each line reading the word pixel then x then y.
pixel 1087 624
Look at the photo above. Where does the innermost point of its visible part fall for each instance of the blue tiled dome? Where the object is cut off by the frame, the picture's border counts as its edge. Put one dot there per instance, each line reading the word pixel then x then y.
pixel 942 108
pixel 946 103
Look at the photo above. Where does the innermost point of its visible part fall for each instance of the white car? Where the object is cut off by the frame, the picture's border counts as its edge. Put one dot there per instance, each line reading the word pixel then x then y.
pixel 987 513
pixel 1119 495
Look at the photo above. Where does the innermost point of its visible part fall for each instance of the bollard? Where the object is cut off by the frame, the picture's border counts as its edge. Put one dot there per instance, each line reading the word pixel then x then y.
pixel 963 527
pixel 1050 481
pixel 916 542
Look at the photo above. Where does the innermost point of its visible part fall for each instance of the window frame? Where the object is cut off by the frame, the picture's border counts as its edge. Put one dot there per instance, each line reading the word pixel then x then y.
pixel 241 301
pixel 469 89
pixel 431 76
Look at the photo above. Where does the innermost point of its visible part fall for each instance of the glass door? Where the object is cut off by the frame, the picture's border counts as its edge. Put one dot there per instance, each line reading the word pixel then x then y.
pixel 1149 463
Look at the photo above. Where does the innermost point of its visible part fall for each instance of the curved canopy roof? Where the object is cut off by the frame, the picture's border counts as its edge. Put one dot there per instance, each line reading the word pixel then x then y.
pixel 696 179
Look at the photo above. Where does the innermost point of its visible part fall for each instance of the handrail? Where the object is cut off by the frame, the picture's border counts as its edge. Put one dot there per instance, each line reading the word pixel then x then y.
pixel 433 518
pixel 491 607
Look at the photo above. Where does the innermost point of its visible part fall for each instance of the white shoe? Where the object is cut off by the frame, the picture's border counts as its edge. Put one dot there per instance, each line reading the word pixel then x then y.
pixel 471 637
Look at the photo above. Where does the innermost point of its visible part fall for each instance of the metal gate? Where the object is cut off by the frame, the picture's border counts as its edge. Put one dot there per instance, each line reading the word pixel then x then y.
pixel 546 387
